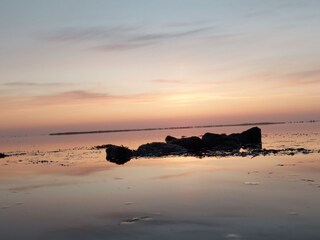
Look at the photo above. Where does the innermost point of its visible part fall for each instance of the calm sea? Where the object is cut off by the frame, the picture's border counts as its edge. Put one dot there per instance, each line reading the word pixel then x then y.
pixel 57 187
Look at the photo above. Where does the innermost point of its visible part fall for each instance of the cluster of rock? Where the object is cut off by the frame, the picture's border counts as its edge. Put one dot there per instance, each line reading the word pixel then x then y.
pixel 209 143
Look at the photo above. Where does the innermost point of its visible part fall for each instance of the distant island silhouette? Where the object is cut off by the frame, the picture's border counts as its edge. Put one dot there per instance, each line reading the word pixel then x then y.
pixel 164 128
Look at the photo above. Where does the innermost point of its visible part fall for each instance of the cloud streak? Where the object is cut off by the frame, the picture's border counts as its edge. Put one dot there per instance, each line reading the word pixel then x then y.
pixel 308 77
pixel 119 38
pixel 167 81
pixel 303 78
pixel 32 84
pixel 121 46
pixel 89 34
pixel 85 98
pixel 169 35
pixel 69 97
pixel 89 97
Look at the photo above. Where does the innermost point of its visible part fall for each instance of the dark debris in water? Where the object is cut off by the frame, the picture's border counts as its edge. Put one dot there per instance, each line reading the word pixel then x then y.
pixel 259 152
pixel 41 161
pixel 307 180
pixel 286 165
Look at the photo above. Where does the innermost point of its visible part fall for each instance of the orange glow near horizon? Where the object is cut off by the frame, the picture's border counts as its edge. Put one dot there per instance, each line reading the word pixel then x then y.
pixel 154 110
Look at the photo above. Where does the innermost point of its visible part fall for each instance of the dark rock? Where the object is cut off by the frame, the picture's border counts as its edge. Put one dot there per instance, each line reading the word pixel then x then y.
pixel 192 144
pixel 159 149
pixel 169 139
pixel 211 145
pixel 251 137
pixel 228 146
pixel 2 155
pixel 220 142
pixel 213 139
pixel 118 154
pixel 235 136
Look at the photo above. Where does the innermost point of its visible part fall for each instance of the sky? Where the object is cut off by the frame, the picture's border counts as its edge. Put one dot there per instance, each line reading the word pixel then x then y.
pixel 73 65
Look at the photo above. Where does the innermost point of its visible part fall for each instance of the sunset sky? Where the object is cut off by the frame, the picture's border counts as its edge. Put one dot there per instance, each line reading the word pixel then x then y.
pixel 70 65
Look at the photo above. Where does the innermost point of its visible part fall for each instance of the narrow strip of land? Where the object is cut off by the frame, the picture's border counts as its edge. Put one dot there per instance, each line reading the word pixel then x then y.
pixel 164 128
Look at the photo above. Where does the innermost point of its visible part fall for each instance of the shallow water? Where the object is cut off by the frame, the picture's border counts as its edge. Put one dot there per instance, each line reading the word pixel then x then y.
pixel 57 187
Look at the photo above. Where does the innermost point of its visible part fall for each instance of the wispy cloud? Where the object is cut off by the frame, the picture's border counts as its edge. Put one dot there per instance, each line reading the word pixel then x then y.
pixel 32 84
pixel 307 77
pixel 70 97
pixel 302 78
pixel 88 97
pixel 169 35
pixel 119 38
pixel 90 34
pixel 285 78
pixel 190 24
pixel 121 46
pixel 171 98
pixel 167 81
pixel 145 39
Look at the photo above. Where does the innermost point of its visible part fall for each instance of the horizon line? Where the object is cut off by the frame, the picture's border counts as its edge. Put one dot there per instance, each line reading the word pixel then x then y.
pixel 165 128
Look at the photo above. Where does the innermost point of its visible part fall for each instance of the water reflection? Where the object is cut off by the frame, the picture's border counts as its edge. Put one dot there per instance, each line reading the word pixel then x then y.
pixel 76 194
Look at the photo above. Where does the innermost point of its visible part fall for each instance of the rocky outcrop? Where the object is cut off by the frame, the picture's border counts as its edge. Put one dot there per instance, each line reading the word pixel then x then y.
pixel 2 155
pixel 159 149
pixel 169 138
pixel 210 144
pixel 192 144
pixel 220 142
pixel 118 154
pixel 250 138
